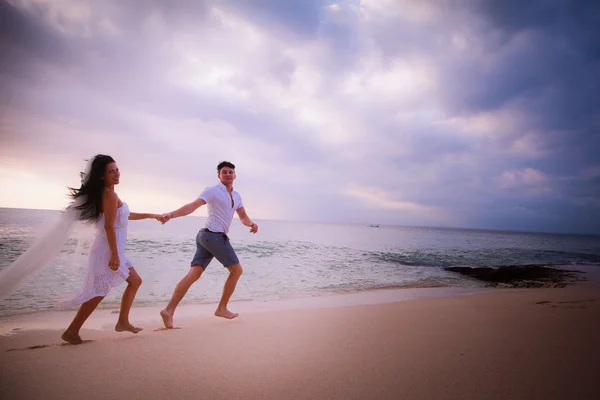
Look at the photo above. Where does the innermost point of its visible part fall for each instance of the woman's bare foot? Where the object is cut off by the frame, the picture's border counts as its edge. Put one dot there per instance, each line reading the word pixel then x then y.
pixel 167 318
pixel 127 328
pixel 71 337
pixel 225 313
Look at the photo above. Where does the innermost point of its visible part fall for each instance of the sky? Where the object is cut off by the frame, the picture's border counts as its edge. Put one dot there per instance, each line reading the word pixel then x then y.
pixel 456 113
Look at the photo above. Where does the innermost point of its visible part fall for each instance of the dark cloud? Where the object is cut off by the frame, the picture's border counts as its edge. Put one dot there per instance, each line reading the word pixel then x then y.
pixel 26 41
pixel 340 30
pixel 515 50
pixel 538 59
pixel 296 17
pixel 554 16
pixel 24 37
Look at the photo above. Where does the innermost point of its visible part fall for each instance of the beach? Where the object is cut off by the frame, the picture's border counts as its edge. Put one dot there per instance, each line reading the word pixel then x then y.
pixel 483 344
pixel 320 200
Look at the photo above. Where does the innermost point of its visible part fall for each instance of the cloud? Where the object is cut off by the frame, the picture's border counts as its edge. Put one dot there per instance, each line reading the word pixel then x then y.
pixel 424 113
pixel 378 198
pixel 527 181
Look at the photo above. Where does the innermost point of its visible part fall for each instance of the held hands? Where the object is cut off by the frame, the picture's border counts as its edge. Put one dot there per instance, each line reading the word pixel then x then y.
pixel 165 218
pixel 114 262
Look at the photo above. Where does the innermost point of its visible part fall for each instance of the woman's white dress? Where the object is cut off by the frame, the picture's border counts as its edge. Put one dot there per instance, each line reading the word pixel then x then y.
pixel 100 279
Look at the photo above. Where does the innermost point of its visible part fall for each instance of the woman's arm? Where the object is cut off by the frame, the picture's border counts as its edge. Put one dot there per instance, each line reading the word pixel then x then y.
pixel 137 216
pixel 110 203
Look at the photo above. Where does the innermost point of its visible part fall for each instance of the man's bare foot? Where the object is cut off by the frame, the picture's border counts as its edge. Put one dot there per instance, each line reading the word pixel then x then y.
pixel 127 328
pixel 167 318
pixel 71 338
pixel 226 314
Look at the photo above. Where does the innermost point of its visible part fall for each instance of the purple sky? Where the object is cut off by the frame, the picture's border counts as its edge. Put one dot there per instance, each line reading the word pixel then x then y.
pixel 478 114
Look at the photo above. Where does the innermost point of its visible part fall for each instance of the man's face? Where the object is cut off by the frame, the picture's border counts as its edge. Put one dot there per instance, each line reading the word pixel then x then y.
pixel 226 175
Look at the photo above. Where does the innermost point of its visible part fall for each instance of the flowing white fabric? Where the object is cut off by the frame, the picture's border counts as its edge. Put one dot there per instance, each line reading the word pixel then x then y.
pixel 82 235
pixel 45 247
pixel 41 252
pixel 50 242
pixel 100 279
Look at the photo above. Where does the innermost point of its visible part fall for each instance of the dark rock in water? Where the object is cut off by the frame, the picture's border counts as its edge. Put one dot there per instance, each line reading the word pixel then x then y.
pixel 519 276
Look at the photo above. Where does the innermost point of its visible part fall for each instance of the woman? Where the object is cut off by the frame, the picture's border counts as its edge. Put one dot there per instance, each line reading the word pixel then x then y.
pixel 108 266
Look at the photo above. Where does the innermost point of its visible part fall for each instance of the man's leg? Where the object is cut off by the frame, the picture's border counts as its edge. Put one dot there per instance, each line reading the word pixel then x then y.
pixel 180 290
pixel 235 271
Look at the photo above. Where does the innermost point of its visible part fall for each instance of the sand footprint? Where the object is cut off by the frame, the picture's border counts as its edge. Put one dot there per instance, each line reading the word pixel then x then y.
pixel 577 301
pixel 165 329
pixel 43 346
pixel 564 304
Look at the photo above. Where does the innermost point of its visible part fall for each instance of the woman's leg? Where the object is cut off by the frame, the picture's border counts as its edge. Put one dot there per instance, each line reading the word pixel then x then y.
pixel 133 284
pixel 71 335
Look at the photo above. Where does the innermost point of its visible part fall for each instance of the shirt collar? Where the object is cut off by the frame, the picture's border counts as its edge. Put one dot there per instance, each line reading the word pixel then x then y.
pixel 223 187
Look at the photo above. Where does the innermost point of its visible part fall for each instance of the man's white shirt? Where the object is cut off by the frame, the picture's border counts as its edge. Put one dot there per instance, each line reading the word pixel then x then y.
pixel 220 209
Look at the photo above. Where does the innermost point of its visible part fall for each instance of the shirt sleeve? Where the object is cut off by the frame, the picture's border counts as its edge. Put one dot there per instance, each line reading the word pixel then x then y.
pixel 207 194
pixel 239 202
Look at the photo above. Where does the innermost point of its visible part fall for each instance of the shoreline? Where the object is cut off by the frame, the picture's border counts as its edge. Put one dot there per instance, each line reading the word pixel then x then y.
pixel 104 318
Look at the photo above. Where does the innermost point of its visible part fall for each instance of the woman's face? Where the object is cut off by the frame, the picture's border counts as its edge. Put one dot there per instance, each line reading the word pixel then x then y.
pixel 111 174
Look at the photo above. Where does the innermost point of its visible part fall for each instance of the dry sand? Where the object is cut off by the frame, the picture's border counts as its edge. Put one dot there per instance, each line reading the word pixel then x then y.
pixel 499 344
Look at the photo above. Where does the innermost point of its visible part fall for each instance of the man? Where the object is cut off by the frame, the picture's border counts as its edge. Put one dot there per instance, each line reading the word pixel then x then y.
pixel 212 240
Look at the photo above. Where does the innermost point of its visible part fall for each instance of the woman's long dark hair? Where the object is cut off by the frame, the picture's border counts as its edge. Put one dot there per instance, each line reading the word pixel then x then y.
pixel 92 188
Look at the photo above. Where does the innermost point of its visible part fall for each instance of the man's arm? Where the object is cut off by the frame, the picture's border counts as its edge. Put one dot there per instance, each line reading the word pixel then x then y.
pixel 185 210
pixel 245 220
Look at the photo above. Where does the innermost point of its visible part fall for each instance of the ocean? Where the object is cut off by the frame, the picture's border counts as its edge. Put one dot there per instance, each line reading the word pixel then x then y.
pixel 284 259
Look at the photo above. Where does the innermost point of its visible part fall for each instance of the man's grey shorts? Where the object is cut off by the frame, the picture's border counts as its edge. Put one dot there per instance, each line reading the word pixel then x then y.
pixel 213 244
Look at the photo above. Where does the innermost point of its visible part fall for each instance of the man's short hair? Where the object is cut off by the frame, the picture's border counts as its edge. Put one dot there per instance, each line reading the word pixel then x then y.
pixel 225 164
